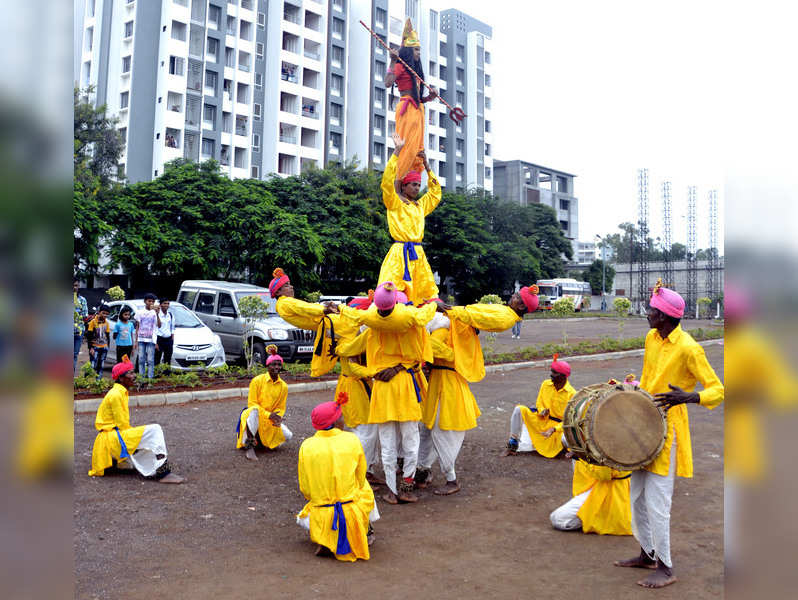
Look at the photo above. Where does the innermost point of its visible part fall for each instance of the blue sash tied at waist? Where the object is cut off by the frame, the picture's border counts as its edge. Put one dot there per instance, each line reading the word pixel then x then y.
pixel 409 253
pixel 415 383
pixel 124 453
pixel 339 525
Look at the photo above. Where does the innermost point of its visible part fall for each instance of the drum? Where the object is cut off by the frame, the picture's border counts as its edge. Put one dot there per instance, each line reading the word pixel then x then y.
pixel 618 426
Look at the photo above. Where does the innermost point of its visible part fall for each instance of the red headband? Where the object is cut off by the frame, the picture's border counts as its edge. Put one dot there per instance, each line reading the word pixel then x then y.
pixel 411 177
pixel 121 368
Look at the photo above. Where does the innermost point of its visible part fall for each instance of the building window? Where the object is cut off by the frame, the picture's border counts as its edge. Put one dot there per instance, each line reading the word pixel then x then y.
pixel 379 17
pixel 207 147
pixel 379 68
pixel 214 16
pixel 126 64
pixel 338 5
pixel 335 113
pixel 337 56
pixel 227 125
pixel 255 172
pixel 379 150
pixel 245 30
pixel 335 142
pixel 433 20
pixel 124 99
pixel 211 81
pixel 564 204
pixel 564 225
pixel 209 116
pixel 259 50
pixel 487 173
pixel 460 52
pixel 459 171
pixel 487 126
pixel 255 142
pixel 379 124
pixel 243 61
pixel 460 74
pixel 444 73
pixel 379 97
pixel 396 26
pixel 487 102
pixel 231 25
pixel 487 57
pixel 337 84
pixel 459 147
pixel 487 149
pixel 258 81
pixel 487 80
pixel 256 111
pixel 261 23
pixel 179 31
pixel 123 134
pixel 411 9
pixel 176 65
pixel 213 49
pixel 128 29
pixel 338 28
pixel 174 102
pixel 460 98
pixel 562 186
pixel 229 58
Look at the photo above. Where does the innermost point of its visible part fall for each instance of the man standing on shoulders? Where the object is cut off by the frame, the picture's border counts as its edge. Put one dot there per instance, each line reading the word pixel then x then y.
pixel 672 365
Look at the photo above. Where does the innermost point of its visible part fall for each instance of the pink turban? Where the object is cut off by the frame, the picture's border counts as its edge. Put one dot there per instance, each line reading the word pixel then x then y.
pixel 667 301
pixel 121 368
pixel 530 297
pixel 401 297
pixel 326 414
pixel 273 356
pixel 385 295
pixel 280 279
pixel 736 305
pixel 560 366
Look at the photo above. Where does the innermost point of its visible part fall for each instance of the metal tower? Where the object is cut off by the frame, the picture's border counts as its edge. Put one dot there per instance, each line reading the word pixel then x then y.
pixel 713 260
pixel 642 232
pixel 667 236
pixel 692 272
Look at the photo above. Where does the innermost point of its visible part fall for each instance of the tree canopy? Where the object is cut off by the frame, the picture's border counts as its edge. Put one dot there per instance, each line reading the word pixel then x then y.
pixel 593 274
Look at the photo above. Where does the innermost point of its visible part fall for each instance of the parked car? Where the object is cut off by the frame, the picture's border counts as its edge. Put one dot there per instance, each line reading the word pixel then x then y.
pixel 195 347
pixel 216 303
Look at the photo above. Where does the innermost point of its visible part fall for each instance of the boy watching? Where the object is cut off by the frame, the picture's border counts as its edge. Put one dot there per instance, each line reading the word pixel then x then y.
pixel 98 333
pixel 165 334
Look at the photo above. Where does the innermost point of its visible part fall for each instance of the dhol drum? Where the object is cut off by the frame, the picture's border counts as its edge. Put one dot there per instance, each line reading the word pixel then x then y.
pixel 618 426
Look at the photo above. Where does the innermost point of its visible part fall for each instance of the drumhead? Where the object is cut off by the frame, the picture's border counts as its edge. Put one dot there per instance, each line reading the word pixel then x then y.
pixel 628 428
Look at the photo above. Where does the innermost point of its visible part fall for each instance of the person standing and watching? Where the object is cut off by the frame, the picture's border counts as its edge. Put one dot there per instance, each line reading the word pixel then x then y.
pixel 164 334
pixel 147 322
pixel 123 334
pixel 81 312
pixel 98 332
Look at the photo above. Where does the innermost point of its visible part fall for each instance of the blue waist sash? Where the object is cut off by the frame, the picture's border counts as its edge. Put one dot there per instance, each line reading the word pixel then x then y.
pixel 339 524
pixel 555 419
pixel 124 453
pixel 415 383
pixel 409 253
pixel 238 423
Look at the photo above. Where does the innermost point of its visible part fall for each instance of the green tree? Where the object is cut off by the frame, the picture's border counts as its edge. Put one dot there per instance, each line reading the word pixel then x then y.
pixel 252 309
pixel 593 275
pixel 563 307
pixel 98 147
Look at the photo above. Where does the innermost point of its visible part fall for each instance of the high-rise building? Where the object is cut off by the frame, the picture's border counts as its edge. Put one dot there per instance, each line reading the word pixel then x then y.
pixel 274 87
pixel 527 183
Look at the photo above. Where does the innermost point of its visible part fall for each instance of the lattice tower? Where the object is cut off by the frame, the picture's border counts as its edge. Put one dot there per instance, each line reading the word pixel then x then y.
pixel 667 235
pixel 642 233
pixel 713 261
pixel 692 265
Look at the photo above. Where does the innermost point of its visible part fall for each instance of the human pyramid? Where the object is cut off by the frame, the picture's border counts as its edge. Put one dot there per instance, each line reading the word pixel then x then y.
pixel 407 359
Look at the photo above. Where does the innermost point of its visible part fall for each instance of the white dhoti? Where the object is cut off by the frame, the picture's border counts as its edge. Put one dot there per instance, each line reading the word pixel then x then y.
pixel 564 518
pixel 369 436
pixel 651 497
pixel 304 522
pixel 443 444
pixel 390 434
pixel 518 431
pixel 151 453
pixel 253 420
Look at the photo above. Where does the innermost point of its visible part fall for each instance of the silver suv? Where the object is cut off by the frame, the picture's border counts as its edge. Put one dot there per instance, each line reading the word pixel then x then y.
pixel 216 304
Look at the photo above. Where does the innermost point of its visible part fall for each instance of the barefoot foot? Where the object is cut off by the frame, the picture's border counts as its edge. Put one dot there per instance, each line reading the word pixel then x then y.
pixel 251 454
pixel 658 579
pixel 451 487
pixel 171 478
pixel 407 497
pixel 390 497
pixel 638 562
pixel 374 479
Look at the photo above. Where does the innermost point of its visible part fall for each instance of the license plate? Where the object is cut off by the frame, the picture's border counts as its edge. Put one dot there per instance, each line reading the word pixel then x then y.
pixel 193 357
pixel 305 349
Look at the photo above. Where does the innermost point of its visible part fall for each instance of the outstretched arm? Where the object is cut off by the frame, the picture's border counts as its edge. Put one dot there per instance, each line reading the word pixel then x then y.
pixel 390 76
pixel 432 198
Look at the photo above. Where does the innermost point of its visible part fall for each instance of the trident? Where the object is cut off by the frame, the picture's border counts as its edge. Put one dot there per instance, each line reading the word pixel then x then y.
pixel 455 114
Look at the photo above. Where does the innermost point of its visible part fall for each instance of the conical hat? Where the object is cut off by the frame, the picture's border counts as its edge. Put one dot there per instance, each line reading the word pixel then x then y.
pixel 410 37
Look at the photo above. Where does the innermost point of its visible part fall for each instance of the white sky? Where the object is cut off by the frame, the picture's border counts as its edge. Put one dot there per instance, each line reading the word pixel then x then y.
pixel 600 89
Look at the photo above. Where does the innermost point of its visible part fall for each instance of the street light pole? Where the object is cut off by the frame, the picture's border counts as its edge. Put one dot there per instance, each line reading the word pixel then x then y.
pixel 603 273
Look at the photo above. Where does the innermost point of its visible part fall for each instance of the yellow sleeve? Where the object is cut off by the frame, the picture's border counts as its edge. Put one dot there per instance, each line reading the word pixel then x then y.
pixel 281 400
pixel 423 315
pixel 362 467
pixel 301 314
pixel 121 416
pixel 354 315
pixel 432 198
pixel 304 481
pixel 440 349
pixel 648 366
pixel 354 346
pixel 362 371
pixel 543 401
pixel 486 317
pixel 712 394
pixel 389 197
pixel 254 392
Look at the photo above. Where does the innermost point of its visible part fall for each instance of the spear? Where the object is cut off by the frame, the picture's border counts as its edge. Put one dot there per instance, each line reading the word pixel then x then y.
pixel 455 114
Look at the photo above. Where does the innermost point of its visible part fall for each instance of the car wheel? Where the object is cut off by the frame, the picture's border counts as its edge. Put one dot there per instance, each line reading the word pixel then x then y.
pixel 258 354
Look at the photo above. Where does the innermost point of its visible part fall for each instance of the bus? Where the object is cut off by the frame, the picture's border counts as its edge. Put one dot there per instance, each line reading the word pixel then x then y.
pixel 551 290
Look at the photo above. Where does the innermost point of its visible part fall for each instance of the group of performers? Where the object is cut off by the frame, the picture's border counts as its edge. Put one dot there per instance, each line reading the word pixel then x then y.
pixel 406 361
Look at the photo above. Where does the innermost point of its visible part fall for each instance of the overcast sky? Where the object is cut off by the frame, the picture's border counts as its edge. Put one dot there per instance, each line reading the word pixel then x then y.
pixel 600 89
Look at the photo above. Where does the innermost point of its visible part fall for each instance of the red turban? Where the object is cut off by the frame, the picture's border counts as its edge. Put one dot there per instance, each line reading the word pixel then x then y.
pixel 411 177
pixel 362 302
pixel 530 297
pixel 668 301
pixel 326 414
pixel 121 368
pixel 280 279
pixel 560 366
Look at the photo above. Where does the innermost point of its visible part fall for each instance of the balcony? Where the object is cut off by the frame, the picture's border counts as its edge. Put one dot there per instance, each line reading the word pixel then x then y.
pixel 288 73
pixel 288 139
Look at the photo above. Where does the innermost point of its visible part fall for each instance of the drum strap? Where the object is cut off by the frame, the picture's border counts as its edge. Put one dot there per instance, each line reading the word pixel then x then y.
pixel 555 419
pixel 624 477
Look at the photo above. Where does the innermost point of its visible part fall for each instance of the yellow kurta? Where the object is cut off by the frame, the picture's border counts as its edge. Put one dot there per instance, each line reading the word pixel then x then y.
pixel 332 468
pixel 301 314
pixel 485 317
pixel 113 413
pixel 447 388
pixel 268 397
pixel 556 401
pixel 607 509
pixel 680 361
pixel 406 224
pixel 356 381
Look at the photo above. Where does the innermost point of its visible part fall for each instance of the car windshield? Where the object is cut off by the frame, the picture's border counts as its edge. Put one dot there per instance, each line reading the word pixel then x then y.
pixel 184 317
pixel 265 296
pixel 547 290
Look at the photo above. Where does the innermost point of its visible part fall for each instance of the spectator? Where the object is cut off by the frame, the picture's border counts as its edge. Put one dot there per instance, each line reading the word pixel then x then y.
pixel 517 330
pixel 147 321
pixel 124 330
pixel 81 312
pixel 165 334
pixel 98 332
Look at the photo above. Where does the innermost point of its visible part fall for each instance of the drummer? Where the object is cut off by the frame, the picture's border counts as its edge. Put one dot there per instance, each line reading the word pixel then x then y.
pixel 672 365
pixel 546 418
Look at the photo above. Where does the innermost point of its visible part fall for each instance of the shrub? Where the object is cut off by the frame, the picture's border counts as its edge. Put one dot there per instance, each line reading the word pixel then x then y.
pixel 115 293
pixel 563 307
pixel 704 304
pixel 622 306
pixel 313 296
pixel 490 299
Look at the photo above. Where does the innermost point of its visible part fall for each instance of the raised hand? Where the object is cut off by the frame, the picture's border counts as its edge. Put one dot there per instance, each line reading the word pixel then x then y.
pixel 397 142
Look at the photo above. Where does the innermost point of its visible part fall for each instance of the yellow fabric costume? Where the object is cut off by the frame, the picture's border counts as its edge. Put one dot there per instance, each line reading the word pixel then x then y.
pixel 356 381
pixel 113 413
pixel 410 120
pixel 301 314
pixel 607 509
pixel 555 400
pixel 406 224
pixel 459 409
pixel 47 431
pixel 268 397
pixel 680 361
pixel 332 468
pixel 485 317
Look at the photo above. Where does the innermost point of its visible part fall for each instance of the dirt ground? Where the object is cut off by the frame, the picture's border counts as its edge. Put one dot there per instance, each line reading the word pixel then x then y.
pixel 229 532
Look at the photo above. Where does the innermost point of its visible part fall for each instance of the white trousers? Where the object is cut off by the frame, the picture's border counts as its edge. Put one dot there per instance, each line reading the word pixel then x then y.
pixel 152 446
pixel 390 434
pixel 518 431
pixel 369 436
pixel 564 518
pixel 253 421
pixel 304 522
pixel 441 444
pixel 651 497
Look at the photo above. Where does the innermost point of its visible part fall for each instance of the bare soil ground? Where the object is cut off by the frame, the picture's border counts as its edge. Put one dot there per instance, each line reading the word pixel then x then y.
pixel 229 532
